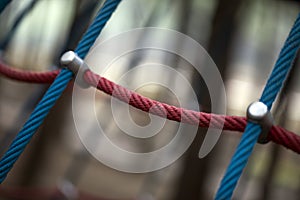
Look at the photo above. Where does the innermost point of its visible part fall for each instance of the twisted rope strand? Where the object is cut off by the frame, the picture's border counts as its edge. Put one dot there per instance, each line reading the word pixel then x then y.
pixel 96 27
pixel 28 76
pixel 53 93
pixel 35 120
pixel 231 123
pixel 282 65
pixel 252 131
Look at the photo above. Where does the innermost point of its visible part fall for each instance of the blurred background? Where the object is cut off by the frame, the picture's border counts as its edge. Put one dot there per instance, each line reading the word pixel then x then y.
pixel 243 38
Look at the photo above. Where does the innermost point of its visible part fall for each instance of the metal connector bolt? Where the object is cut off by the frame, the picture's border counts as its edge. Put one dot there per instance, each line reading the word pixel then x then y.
pixel 258 113
pixel 74 63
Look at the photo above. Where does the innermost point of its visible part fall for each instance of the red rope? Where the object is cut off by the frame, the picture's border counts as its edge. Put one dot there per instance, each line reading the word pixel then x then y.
pixel 277 134
pixel 28 76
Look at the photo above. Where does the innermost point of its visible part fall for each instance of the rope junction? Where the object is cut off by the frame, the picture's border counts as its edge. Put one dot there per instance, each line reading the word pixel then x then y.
pixel 277 134
pixel 252 131
pixel 60 79
pixel 54 92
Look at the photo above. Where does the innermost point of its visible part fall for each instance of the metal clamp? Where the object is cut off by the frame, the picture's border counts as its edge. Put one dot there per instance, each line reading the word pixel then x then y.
pixel 74 63
pixel 258 113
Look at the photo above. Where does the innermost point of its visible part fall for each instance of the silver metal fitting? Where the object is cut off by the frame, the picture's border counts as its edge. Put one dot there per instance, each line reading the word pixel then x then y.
pixel 258 113
pixel 74 63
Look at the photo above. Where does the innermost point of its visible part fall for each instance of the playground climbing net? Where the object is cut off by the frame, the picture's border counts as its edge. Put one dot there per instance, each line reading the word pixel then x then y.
pixel 252 129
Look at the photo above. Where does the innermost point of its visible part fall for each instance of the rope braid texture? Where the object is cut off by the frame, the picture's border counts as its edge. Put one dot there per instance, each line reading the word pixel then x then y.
pixel 234 123
pixel 277 134
pixel 252 131
pixel 54 92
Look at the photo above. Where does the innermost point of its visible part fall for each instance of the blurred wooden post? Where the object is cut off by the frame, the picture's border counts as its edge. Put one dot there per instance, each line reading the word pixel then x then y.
pixel 195 170
pixel 81 19
pixel 54 123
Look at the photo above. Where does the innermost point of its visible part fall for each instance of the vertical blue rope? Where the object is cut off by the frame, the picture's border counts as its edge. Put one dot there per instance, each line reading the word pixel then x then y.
pixel 89 38
pixel 3 4
pixel 252 131
pixel 54 92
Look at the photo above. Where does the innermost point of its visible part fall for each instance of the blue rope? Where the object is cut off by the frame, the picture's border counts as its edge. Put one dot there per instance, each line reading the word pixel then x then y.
pixel 54 92
pixel 252 131
pixel 35 120
pixel 89 38
pixel 3 4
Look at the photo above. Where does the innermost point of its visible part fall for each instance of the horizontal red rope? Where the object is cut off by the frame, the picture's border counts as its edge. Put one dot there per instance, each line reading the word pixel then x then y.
pixel 277 134
pixel 28 76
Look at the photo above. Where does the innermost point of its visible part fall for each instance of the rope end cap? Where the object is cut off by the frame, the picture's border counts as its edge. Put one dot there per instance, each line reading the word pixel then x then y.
pixel 74 63
pixel 258 113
